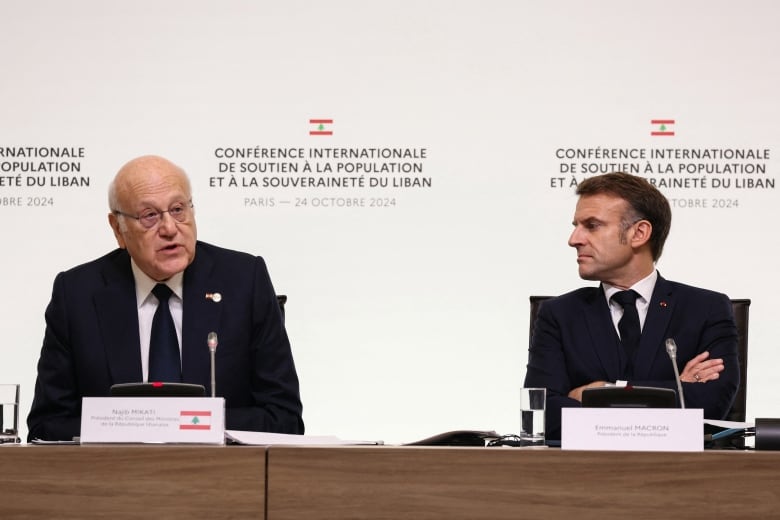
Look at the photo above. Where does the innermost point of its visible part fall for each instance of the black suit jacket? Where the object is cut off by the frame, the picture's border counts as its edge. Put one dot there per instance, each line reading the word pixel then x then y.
pixel 92 342
pixel 574 343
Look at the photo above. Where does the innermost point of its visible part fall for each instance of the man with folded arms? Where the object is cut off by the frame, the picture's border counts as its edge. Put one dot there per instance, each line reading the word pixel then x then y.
pixel 620 225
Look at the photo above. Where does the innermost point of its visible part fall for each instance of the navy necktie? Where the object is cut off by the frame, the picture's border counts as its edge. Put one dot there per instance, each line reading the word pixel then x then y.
pixel 630 330
pixel 164 359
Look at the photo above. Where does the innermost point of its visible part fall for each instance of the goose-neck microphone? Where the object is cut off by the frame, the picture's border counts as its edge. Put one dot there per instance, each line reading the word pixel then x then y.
pixel 212 342
pixel 671 349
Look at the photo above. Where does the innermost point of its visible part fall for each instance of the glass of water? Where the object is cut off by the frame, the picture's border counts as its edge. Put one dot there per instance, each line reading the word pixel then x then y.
pixel 9 419
pixel 532 405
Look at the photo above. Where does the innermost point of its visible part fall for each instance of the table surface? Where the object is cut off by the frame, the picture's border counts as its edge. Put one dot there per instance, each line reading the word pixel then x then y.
pixel 382 482
pixel 143 481
pixel 496 483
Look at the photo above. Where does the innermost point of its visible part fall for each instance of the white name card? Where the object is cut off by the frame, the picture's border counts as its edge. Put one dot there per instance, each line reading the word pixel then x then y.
pixel 199 420
pixel 632 429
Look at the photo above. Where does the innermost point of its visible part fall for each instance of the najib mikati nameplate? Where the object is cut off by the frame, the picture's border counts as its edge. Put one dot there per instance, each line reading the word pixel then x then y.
pixel 198 420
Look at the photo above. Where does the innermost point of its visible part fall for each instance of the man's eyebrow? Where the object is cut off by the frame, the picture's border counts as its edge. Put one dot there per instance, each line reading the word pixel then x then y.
pixel 589 220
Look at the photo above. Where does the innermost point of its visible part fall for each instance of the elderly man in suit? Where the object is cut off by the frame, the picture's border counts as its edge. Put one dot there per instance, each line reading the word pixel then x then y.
pixel 102 315
pixel 580 339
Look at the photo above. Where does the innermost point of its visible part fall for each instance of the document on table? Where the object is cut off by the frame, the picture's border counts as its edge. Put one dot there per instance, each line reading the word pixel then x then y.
pixel 286 439
pixel 729 424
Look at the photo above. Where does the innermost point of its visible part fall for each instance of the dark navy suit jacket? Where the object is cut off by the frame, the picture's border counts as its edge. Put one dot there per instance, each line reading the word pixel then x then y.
pixel 574 343
pixel 92 342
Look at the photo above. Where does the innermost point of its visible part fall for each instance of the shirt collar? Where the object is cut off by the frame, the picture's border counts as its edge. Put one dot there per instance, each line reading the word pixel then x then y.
pixel 144 283
pixel 644 287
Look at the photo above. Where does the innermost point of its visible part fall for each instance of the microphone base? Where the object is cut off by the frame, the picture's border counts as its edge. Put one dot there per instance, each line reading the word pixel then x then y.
pixel 767 434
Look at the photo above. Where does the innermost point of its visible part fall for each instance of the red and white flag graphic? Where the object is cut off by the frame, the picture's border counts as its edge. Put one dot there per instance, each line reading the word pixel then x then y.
pixel 194 420
pixel 662 127
pixel 320 126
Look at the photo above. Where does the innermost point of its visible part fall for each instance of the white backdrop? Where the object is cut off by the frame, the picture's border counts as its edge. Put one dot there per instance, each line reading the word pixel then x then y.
pixel 410 318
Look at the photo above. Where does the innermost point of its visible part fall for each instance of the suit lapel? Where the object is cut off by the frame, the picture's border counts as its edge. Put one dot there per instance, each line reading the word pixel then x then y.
pixel 117 315
pixel 603 338
pixel 201 315
pixel 659 313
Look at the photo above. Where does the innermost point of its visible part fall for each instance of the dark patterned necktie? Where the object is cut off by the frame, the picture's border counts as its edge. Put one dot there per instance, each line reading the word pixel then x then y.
pixel 628 326
pixel 164 359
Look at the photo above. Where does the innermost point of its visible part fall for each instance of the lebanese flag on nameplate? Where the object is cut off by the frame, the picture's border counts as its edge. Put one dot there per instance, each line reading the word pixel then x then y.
pixel 194 420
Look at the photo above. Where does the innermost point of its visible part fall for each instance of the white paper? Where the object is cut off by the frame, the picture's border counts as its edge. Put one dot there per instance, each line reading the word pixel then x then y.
pixel 285 439
pixel 728 425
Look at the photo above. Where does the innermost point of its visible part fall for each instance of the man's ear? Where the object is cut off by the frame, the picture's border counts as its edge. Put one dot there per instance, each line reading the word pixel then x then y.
pixel 113 221
pixel 643 230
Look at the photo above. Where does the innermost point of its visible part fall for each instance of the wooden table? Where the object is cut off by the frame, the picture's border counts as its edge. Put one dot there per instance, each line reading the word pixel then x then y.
pixel 382 482
pixel 497 483
pixel 117 482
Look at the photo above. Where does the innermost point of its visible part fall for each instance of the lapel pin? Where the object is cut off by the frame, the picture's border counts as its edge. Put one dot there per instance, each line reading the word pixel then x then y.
pixel 215 297
pixel 663 304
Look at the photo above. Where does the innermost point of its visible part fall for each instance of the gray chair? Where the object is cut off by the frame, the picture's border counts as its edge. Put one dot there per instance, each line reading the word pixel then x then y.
pixel 741 313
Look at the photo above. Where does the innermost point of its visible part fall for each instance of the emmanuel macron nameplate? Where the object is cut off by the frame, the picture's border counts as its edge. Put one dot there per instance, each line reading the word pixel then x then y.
pixel 632 429
pixel 197 420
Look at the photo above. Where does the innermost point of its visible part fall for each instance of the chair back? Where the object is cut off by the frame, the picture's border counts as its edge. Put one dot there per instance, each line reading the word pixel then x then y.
pixel 741 313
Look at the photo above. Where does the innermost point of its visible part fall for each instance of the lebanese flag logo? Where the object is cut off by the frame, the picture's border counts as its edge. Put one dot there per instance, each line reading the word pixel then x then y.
pixel 194 420
pixel 320 126
pixel 662 127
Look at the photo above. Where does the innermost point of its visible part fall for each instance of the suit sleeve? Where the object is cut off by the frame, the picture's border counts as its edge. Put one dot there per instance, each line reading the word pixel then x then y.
pixel 716 333
pixel 56 409
pixel 276 404
pixel 547 368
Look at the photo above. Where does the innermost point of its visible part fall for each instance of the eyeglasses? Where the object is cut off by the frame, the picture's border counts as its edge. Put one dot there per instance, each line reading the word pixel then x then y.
pixel 180 212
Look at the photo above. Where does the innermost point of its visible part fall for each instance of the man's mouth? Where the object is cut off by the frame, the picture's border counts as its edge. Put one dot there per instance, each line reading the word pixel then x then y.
pixel 169 248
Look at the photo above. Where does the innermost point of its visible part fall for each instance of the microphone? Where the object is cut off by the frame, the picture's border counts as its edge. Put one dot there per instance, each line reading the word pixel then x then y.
pixel 671 349
pixel 212 342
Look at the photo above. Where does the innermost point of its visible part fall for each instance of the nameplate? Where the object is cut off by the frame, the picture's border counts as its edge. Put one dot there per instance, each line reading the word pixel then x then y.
pixel 632 429
pixel 197 420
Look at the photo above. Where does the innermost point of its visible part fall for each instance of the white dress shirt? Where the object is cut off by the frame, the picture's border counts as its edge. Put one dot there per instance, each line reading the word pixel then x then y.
pixel 644 287
pixel 147 305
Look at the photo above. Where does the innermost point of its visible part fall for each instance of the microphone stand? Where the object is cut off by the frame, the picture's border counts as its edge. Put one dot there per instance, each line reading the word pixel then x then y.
pixel 212 344
pixel 671 349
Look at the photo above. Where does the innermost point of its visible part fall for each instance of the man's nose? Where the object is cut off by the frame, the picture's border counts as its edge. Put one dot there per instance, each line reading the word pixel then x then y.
pixel 575 238
pixel 167 225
